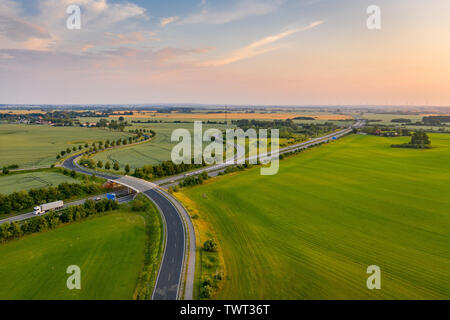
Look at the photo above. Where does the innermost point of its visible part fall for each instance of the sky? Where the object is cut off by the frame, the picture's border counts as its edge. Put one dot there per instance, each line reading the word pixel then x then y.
pixel 236 52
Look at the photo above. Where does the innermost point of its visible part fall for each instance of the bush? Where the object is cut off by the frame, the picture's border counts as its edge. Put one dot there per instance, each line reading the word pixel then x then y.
pixel 210 246
pixel 139 205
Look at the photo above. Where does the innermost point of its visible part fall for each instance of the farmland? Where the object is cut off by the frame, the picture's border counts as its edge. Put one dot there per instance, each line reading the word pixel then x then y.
pixel 110 251
pixel 32 180
pixel 35 146
pixel 154 152
pixel 311 231
pixel 234 116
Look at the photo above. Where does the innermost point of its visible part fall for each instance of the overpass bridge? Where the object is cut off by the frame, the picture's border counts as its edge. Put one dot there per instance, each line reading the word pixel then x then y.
pixel 176 274
pixel 180 248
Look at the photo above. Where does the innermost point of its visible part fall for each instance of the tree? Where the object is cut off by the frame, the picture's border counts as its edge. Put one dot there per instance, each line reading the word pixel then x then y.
pixel 210 246
pixel 80 147
pixel 63 153
pixel 127 169
pixel 139 205
pixel 100 164
pixel 86 145
pixel 420 138
pixel 121 119
pixel 116 166
pixel 107 165
pixel 5 170
pixel 68 150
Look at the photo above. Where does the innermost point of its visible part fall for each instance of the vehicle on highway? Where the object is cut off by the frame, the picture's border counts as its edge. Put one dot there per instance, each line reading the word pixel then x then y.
pixel 111 196
pixel 52 206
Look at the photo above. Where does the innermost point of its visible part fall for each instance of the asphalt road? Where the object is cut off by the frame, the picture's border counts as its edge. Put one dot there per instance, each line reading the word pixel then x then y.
pixel 171 270
pixel 215 169
pixel 170 274
pixel 123 197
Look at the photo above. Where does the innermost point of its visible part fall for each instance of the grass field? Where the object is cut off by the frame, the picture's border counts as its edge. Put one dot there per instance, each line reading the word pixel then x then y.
pixel 311 231
pixel 32 180
pixel 157 150
pixel 110 251
pixel 234 116
pixel 36 145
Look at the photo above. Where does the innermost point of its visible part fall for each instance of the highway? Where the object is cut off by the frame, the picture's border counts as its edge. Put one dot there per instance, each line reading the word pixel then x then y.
pixel 176 219
pixel 214 169
pixel 179 231
pixel 123 197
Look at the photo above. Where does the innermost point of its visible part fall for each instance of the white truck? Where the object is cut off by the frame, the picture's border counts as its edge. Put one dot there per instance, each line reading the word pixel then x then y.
pixel 57 205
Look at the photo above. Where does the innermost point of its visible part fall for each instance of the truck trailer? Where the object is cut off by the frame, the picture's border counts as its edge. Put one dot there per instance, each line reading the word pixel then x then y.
pixel 53 206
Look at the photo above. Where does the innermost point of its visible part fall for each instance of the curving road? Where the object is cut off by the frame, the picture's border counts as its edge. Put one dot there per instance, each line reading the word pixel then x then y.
pixel 169 282
pixel 179 253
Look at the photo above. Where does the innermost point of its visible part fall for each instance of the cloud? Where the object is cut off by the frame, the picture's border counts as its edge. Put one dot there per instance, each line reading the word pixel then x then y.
pixel 167 54
pixel 16 28
pixel 241 10
pixel 165 21
pixel 46 30
pixel 258 47
pixel 130 38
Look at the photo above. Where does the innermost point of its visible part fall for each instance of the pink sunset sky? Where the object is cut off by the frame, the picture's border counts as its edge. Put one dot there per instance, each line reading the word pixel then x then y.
pixel 267 52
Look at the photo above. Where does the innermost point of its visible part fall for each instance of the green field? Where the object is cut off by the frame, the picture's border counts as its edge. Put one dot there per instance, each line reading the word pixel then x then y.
pixel 385 119
pixel 153 152
pixel 110 251
pixel 311 231
pixel 32 180
pixel 37 145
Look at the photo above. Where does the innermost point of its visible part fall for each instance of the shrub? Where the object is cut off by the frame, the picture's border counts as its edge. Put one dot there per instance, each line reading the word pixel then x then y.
pixel 139 205
pixel 210 246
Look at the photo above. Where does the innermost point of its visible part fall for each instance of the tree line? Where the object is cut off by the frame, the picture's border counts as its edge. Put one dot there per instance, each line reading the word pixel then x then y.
pixel 5 169
pixel 164 169
pixel 18 201
pixel 13 230
pixel 141 134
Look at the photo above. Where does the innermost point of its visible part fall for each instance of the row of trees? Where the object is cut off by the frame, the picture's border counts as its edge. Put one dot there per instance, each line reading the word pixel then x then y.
pixel 91 164
pixel 288 128
pixel 140 134
pixel 18 201
pixel 10 231
pixel 164 169
pixel 210 284
pixel 5 169
pixel 113 124
pixel 193 181
pixel 380 130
